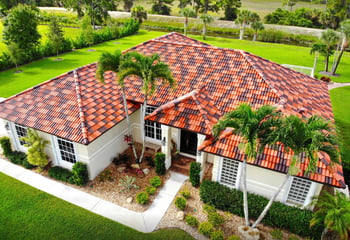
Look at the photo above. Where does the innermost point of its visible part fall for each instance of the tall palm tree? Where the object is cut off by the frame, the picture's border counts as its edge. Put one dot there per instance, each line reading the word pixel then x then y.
pixel 345 30
pixel 206 18
pixel 305 137
pixel 317 49
pixel 111 62
pixel 257 26
pixel 149 69
pixel 187 12
pixel 334 213
pixel 329 38
pixel 139 13
pixel 250 125
pixel 243 19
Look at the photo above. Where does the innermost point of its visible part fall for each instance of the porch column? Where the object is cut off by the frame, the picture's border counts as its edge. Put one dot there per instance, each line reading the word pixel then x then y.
pixel 166 145
pixel 201 156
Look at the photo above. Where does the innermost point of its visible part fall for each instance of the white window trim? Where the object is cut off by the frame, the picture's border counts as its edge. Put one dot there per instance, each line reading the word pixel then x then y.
pixel 239 173
pixel 18 145
pixel 308 197
pixel 149 139
pixel 57 153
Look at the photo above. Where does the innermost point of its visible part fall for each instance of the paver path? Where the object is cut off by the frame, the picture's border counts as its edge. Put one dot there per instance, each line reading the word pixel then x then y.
pixel 141 221
pixel 337 85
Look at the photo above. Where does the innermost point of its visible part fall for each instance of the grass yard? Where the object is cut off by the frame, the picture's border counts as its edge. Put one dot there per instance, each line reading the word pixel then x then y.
pixel 71 33
pixel 28 213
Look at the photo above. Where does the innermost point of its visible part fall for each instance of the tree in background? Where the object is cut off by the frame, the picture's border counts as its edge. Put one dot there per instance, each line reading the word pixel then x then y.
pixel 257 26
pixel 207 5
pixel 139 13
pixel 128 5
pixel 206 19
pixel 87 31
pixel 6 5
pixel 20 27
pixel 55 34
pixel 243 19
pixel 161 7
pixel 334 213
pixel 328 19
pixel 187 12
pixel 230 8
pixel 340 8
pixel 16 54
pixel 317 49
pixel 345 31
pixel 290 3
pixel 329 38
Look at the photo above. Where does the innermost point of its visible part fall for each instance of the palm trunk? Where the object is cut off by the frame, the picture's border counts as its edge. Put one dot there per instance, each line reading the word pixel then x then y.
pixel 185 27
pixel 245 197
pixel 241 31
pixel 255 35
pixel 327 61
pixel 143 129
pixel 129 125
pixel 315 62
pixel 334 69
pixel 324 232
pixel 262 215
pixel 204 30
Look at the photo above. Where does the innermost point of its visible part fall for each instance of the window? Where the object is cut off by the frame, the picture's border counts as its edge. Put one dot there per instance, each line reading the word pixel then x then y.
pixel 298 191
pixel 152 129
pixel 229 172
pixel 21 131
pixel 66 150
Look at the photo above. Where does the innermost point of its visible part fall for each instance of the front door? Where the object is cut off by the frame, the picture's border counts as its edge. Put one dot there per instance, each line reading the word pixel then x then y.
pixel 188 143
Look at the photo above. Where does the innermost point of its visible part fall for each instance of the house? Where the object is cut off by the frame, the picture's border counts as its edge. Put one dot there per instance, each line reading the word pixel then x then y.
pixel 84 120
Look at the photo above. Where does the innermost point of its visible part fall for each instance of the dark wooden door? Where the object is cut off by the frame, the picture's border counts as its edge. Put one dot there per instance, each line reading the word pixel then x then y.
pixel 188 142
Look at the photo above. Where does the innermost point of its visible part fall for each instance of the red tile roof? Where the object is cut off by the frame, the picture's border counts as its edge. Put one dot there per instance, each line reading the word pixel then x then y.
pixel 80 109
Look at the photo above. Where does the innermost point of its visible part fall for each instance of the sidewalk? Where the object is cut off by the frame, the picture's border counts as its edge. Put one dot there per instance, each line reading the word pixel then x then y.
pixel 141 221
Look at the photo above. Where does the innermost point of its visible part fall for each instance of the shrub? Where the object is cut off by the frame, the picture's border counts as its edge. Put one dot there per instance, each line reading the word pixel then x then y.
pixel 216 219
pixel 106 176
pixel 61 174
pixel 80 174
pixel 149 161
pixel 233 237
pixel 5 144
pixel 20 158
pixel 217 235
pixel 186 194
pixel 206 228
pixel 159 161
pixel 181 203
pixel 276 234
pixel 155 181
pixel 209 208
pixel 325 79
pixel 293 237
pixel 191 220
pixel 290 218
pixel 151 190
pixel 127 183
pixel 195 170
pixel 142 198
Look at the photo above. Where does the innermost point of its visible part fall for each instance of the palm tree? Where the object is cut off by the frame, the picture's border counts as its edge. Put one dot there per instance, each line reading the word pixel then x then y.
pixel 317 48
pixel 334 213
pixel 345 30
pixel 243 19
pixel 304 137
pixel 112 62
pixel 329 38
pixel 257 26
pixel 206 18
pixel 149 69
pixel 250 125
pixel 187 12
pixel 139 13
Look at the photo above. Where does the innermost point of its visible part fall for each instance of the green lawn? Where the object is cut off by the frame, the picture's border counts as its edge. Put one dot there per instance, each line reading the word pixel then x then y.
pixel 28 213
pixel 71 33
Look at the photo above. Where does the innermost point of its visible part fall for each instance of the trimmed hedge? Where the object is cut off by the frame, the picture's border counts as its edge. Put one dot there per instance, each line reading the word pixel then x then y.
pixel 159 161
pixel 80 175
pixel 5 144
pixel 195 170
pixel 61 174
pixel 20 158
pixel 290 218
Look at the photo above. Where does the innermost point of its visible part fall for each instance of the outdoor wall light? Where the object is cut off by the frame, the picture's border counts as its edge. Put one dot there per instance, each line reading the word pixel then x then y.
pixel 199 153
pixel 164 141
pixel 7 126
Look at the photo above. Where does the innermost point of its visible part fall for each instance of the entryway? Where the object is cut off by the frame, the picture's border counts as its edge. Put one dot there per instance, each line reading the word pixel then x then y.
pixel 188 142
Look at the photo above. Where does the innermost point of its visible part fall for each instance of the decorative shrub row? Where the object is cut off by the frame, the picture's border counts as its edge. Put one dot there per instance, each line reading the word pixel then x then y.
pixel 130 27
pixel 5 144
pixel 290 218
pixel 15 157
pixel 195 170
pixel 159 161
pixel 78 175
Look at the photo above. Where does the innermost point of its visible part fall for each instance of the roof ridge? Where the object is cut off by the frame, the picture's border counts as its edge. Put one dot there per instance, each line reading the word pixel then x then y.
pixel 80 106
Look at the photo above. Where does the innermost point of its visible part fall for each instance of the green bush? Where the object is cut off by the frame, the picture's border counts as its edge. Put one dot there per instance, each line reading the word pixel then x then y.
pixel 180 203
pixel 186 194
pixel 20 158
pixel 209 208
pixel 290 218
pixel 142 198
pixel 217 235
pixel 61 174
pixel 155 181
pixel 233 237
pixel 216 219
pixel 151 190
pixel 293 237
pixel 127 183
pixel 80 175
pixel 105 176
pixel 195 170
pixel 276 234
pixel 5 144
pixel 206 228
pixel 191 220
pixel 159 161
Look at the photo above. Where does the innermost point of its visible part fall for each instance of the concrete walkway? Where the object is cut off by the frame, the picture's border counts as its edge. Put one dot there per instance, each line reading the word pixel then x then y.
pixel 337 85
pixel 141 221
